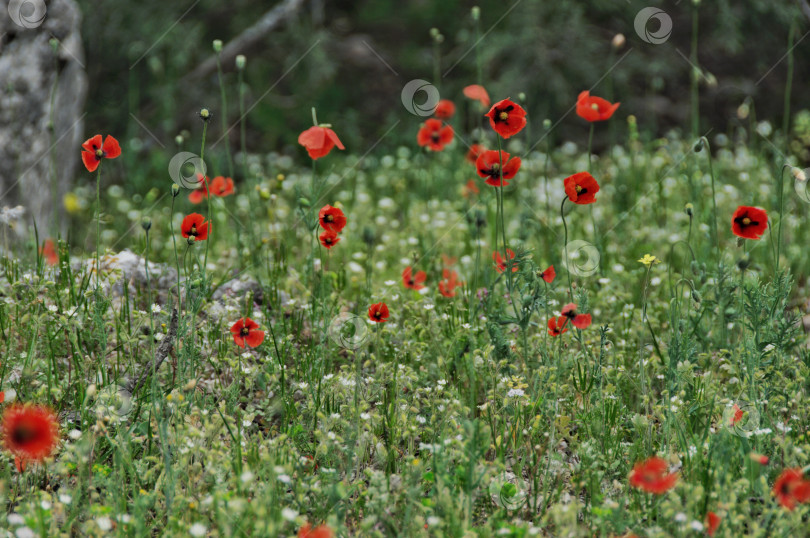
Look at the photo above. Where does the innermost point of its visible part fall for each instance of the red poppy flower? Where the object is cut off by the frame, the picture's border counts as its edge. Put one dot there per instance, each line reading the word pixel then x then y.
pixel 651 476
pixel 319 141
pixel 474 151
pixel 470 189
pixel 449 260
pixel 94 151
pixel 738 415
pixel 507 118
pixel 749 222
pixel 712 523
pixel 548 275
pixel 221 186
pixel 791 488
pixel 447 287
pixel 378 312
pixel 556 326
pixel 329 239
pixel 195 226
pixel 445 109
pixel 489 166
pixel 477 93
pixel 200 193
pixel 30 432
pixel 48 251
pixel 332 219
pixel 759 458
pixel 412 281
pixel 594 108
pixel 581 188
pixel 321 531
pixel 500 263
pixel 246 331
pixel 580 321
pixel 434 135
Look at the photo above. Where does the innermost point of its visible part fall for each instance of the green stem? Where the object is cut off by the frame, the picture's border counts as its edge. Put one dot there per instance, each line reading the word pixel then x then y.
pixel 788 87
pixel 565 247
pixel 98 228
pixel 714 198
pixel 207 199
pixel 224 116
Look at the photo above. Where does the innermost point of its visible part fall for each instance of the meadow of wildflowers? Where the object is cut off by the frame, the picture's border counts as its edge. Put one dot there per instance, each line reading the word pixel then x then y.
pixel 473 333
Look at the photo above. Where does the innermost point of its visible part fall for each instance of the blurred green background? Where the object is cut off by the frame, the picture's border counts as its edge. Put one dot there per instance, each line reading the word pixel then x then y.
pixel 140 54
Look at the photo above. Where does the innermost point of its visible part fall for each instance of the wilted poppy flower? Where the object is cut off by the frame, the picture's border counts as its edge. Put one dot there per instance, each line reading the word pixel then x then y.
pixel 594 108
pixel 548 275
pixel 712 523
pixel 329 239
pixel 477 93
pixel 378 312
pixel 30 432
pixel 470 189
pixel 434 135
pixel 221 186
pixel 759 458
pixel 507 118
pixel 200 193
pixel 321 531
pixel 791 488
pixel 195 226
pixel 412 281
pixel 246 332
pixel 581 188
pixel 580 321
pixel 489 166
pixel 474 151
pixel 651 475
pixel 447 287
pixel 332 219
pixel 556 326
pixel 500 263
pixel 48 251
pixel 445 109
pixel 94 151
pixel 319 141
pixel 749 222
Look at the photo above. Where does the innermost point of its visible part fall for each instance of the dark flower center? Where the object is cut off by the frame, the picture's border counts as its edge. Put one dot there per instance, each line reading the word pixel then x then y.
pixel 377 314
pixel 99 153
pixel 193 230
pixel 23 434
pixel 435 136
pixel 329 218
pixel 244 331
pixel 745 221
pixel 503 116
pixel 581 190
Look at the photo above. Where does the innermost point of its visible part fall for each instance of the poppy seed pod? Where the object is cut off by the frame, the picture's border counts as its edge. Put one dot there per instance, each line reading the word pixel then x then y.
pixel 178 140
pixel 476 13
pixel 175 190
pixel 217 45
pixel 240 62
pixel 689 209
pixel 698 146
pixel 205 114
pixel 54 43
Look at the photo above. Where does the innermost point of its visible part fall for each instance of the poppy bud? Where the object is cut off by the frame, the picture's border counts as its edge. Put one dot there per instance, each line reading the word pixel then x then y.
pixel 434 33
pixel 689 209
pixel 696 296
pixel 178 140
pixel 264 194
pixel 54 44
pixel 547 124
pixel 618 41
pixel 698 147
pixel 745 261
pixel 440 38
pixel 196 283
pixel 522 97
pixel 205 114
pixel 240 62
pixel 146 222
pixel 217 45
pixel 368 235
pixel 304 202
pixel 280 178
pixel 476 13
